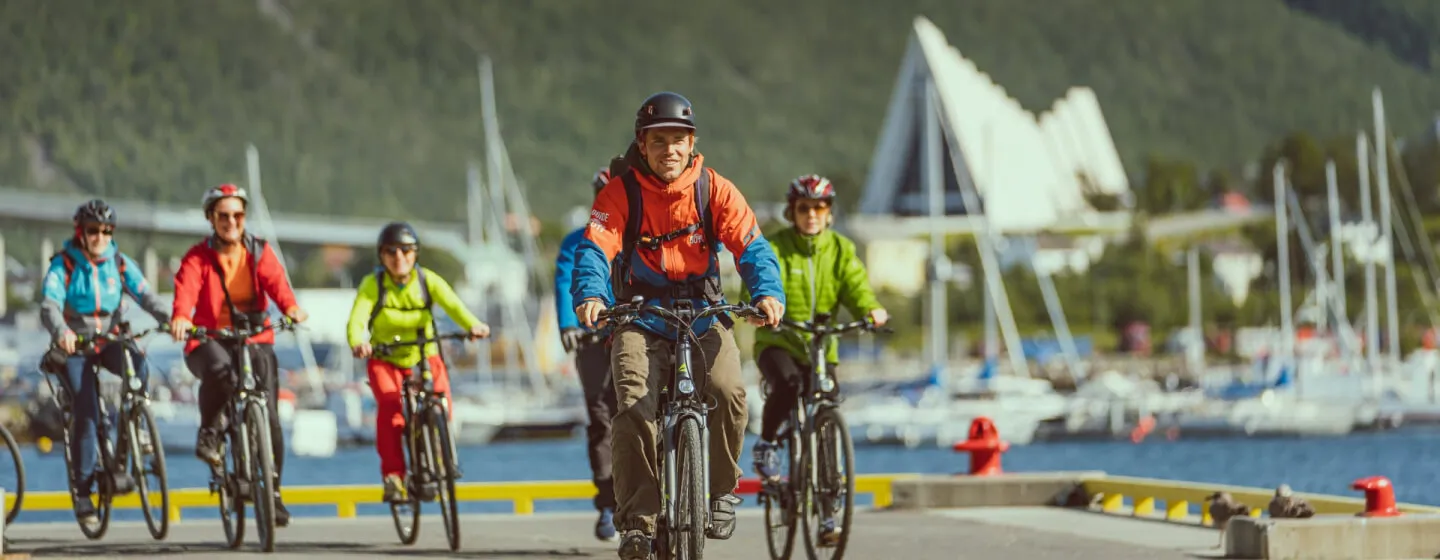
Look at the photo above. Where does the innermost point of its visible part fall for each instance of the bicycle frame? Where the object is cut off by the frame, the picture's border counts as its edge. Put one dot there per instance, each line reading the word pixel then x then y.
pixel 679 398
pixel 418 391
pixel 132 393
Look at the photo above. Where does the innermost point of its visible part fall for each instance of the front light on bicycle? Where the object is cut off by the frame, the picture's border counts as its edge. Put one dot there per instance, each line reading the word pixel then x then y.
pixel 686 386
pixel 134 383
pixel 827 384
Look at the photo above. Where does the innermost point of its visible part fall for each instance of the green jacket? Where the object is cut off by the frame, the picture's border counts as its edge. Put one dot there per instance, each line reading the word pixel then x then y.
pixel 404 312
pixel 820 273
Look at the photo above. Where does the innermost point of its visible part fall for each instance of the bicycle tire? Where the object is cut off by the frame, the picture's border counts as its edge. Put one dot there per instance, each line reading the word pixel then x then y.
pixel 407 514
pixel 159 524
pixel 19 490
pixel 442 455
pixel 691 508
pixel 262 473
pixel 781 503
pixel 101 486
pixel 232 503
pixel 828 421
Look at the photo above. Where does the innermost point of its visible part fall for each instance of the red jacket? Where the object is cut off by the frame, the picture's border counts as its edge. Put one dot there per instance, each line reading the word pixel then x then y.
pixel 198 287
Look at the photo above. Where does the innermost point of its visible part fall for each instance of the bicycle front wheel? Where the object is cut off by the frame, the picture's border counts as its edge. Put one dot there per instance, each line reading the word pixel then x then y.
pixel 232 499
pixel 14 485
pixel 831 500
pixel 691 509
pixel 147 468
pixel 262 473
pixel 442 462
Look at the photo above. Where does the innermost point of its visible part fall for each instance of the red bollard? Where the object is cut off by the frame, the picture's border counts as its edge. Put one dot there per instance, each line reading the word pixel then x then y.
pixel 1379 497
pixel 984 446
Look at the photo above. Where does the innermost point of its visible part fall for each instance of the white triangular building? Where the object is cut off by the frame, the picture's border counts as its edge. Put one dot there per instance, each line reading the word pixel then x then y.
pixel 1031 174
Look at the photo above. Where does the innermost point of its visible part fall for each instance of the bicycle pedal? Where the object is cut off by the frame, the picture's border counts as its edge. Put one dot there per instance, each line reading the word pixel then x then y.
pixel 122 483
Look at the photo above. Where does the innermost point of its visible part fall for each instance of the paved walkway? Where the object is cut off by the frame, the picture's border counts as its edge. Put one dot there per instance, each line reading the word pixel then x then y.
pixel 1029 533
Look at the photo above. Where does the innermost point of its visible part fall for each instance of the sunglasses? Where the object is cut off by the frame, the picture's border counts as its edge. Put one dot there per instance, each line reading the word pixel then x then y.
pixel 226 216
pixel 397 249
pixel 99 231
pixel 803 208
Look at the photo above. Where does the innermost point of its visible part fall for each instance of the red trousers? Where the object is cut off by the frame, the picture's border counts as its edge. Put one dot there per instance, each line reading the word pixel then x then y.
pixel 386 381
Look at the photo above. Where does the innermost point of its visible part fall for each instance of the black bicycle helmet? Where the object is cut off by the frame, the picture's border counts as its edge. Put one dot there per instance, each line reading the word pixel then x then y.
pixel 665 109
pixel 397 233
pixel 95 212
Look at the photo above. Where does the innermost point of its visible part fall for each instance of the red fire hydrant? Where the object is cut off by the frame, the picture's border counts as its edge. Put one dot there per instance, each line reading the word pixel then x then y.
pixel 984 446
pixel 1379 497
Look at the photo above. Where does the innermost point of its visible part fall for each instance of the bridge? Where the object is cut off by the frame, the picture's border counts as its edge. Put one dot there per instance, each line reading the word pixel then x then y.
pixel 311 229
pixel 1040 516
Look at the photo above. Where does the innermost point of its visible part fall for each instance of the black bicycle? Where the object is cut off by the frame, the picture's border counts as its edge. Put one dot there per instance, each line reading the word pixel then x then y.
pixel 128 464
pixel 684 434
pixel 429 448
pixel 820 488
pixel 249 473
pixel 17 487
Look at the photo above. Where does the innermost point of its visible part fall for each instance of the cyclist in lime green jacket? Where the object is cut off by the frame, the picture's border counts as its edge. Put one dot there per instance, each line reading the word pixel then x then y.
pixel 406 303
pixel 820 271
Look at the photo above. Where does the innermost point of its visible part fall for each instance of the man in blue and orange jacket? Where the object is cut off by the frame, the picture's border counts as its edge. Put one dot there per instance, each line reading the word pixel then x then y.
pixel 677 260
pixel 592 362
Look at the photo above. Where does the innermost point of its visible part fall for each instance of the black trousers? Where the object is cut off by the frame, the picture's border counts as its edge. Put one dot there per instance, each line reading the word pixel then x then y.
pixel 786 376
pixel 593 363
pixel 216 366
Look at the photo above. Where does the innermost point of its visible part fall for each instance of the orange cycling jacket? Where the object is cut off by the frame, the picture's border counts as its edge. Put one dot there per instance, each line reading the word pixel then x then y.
pixel 667 208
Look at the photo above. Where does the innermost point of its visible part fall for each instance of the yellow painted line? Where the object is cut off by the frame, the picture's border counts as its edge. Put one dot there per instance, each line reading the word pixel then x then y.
pixel 1146 493
pixel 345 498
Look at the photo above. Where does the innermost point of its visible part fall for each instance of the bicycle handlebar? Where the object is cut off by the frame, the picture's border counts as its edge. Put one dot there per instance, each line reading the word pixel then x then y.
pixel 231 333
pixel 83 343
pixel 626 310
pixel 825 329
pixel 386 347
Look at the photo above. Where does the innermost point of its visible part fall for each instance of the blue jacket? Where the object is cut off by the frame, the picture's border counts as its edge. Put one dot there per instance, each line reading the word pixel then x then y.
pixel 564 276
pixel 91 301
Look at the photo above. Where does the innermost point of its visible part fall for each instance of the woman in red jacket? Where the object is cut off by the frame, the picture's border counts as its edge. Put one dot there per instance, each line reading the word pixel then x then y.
pixel 228 280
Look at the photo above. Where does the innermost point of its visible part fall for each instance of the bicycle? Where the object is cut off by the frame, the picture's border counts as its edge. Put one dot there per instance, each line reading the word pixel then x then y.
pixel 426 440
pixel 815 430
pixel 684 456
pixel 116 471
pixel 249 475
pixel 19 486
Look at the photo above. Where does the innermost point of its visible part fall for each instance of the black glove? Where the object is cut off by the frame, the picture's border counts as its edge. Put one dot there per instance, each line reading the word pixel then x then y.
pixel 570 338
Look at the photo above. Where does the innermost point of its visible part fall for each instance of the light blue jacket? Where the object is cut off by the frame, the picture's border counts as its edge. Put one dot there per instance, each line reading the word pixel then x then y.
pixel 90 301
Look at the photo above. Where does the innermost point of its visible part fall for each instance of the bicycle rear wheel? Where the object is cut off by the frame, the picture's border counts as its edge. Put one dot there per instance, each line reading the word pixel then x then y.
pixel 780 505
pixel 690 507
pixel 262 473
pixel 147 460
pixel 832 489
pixel 14 485
pixel 442 462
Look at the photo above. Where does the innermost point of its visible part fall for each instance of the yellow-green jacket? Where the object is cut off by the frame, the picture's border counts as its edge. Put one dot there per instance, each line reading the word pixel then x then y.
pixel 404 311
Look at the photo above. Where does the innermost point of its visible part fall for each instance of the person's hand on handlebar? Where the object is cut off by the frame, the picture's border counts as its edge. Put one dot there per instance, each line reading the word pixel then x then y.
pixel 773 310
pixel 879 317
pixel 297 315
pixel 481 330
pixel 589 313
pixel 178 327
pixel 67 341
pixel 361 350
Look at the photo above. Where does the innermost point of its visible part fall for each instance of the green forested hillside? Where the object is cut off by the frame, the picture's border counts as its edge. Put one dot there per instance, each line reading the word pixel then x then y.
pixel 372 106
